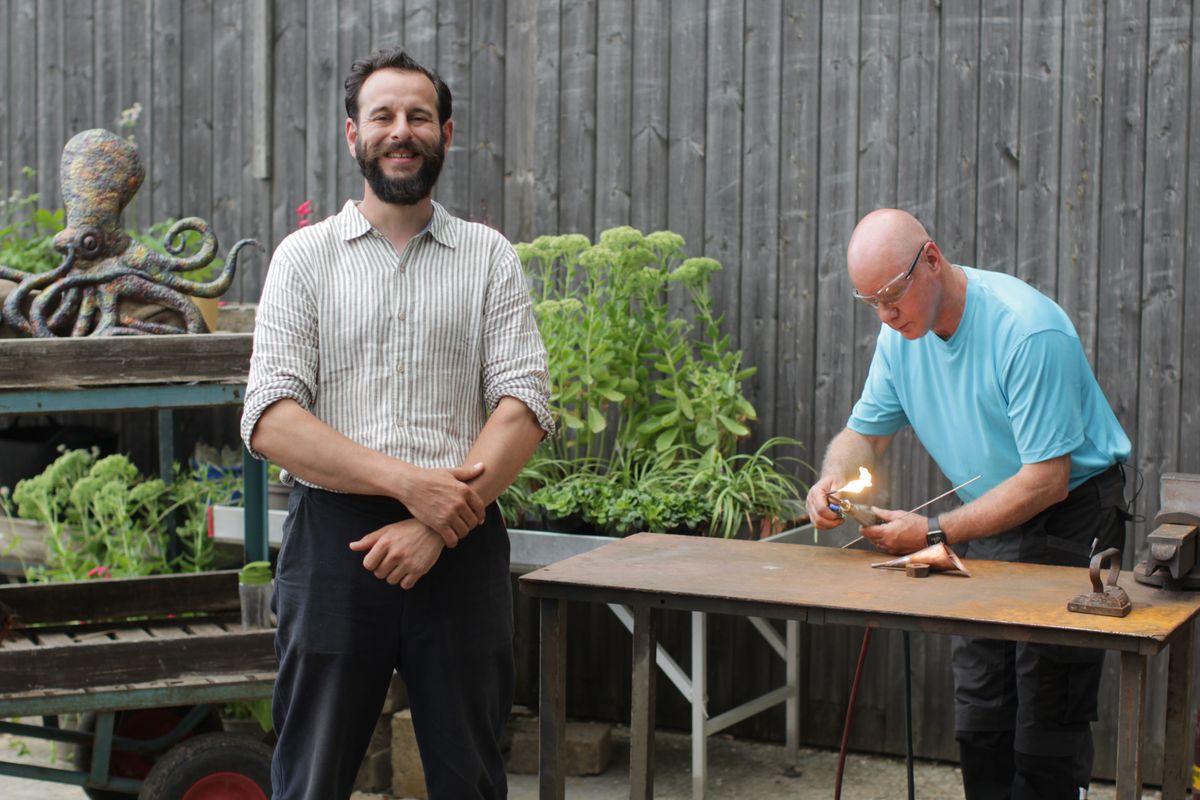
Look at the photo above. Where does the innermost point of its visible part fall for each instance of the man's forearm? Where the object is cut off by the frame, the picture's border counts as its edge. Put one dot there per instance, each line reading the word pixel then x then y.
pixel 503 446
pixel 847 452
pixel 1017 500
pixel 305 446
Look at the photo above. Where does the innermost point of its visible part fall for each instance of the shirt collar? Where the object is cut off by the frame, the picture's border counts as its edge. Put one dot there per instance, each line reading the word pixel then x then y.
pixel 351 224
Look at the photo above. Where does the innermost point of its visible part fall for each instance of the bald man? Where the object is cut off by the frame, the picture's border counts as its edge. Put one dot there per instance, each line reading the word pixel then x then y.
pixel 991 376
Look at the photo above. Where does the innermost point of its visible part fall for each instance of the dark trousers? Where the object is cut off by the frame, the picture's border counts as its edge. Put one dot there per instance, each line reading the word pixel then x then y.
pixel 1023 712
pixel 342 631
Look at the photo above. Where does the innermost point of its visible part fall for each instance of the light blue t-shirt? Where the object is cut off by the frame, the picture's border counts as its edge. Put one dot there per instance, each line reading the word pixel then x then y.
pixel 1012 386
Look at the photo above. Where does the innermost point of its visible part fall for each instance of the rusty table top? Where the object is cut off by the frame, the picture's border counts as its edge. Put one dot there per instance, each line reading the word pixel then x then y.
pixel 1024 602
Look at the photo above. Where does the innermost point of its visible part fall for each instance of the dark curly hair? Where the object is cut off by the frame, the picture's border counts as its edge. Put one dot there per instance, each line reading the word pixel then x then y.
pixel 393 58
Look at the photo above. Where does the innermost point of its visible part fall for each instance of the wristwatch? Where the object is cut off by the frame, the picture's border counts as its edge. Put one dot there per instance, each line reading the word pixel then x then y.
pixel 935 535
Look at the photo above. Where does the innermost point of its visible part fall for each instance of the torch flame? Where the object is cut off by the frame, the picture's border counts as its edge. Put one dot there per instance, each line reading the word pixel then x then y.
pixel 856 486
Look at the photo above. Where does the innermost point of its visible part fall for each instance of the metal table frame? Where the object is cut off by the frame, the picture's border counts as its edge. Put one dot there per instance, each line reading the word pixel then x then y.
pixel 554 591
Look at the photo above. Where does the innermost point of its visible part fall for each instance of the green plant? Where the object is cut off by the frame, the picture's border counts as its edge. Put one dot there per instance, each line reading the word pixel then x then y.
pixel 105 520
pixel 27 231
pixel 650 404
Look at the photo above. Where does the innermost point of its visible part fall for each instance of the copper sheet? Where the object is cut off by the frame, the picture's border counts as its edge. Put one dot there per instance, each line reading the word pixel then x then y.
pixel 788 575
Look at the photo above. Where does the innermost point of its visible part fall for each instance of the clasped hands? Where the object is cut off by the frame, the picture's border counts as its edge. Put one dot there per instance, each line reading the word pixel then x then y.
pixel 445 509
pixel 900 532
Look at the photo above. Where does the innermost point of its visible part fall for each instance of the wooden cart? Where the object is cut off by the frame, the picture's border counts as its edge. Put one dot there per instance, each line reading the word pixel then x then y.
pixel 144 660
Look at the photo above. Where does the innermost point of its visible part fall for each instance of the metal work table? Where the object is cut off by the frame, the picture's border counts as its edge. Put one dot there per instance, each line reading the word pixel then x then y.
pixel 1017 602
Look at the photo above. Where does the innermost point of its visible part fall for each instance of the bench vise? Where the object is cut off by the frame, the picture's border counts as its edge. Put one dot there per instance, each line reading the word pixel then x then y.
pixel 1171 561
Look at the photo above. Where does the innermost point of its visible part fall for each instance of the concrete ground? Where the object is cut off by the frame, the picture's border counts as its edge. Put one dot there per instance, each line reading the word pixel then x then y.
pixel 737 769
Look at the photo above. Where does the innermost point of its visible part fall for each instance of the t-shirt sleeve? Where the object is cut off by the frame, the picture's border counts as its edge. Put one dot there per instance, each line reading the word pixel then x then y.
pixel 1042 383
pixel 878 411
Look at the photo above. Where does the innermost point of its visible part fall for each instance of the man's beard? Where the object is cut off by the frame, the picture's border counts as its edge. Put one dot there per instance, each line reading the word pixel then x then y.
pixel 404 191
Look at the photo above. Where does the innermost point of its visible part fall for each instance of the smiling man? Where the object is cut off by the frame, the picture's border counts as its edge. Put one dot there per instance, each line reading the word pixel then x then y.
pixel 384 336
pixel 991 376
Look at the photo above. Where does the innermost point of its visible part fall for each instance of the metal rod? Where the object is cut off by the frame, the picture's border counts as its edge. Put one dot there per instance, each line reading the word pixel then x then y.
pixel 918 508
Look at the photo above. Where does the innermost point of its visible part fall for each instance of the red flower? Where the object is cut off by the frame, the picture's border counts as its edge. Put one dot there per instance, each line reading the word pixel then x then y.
pixel 304 209
pixel 99 572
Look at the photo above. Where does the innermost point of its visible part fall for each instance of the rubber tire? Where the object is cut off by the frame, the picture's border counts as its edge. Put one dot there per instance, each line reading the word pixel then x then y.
pixel 193 761
pixel 120 765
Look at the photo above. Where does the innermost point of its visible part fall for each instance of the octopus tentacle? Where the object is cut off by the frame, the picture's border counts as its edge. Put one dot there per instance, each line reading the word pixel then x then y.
pixel 66 309
pixel 13 315
pixel 87 312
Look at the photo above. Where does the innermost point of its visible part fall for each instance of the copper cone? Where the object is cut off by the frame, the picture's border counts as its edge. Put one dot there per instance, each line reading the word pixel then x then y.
pixel 939 557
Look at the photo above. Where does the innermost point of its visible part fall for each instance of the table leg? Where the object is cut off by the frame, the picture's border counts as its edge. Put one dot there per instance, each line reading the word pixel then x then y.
pixel 641 723
pixel 699 703
pixel 1176 761
pixel 792 722
pixel 1131 722
pixel 552 705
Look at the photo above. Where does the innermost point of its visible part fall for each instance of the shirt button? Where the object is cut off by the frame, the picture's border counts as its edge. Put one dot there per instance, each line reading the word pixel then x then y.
pixel 400 315
pixel 399 369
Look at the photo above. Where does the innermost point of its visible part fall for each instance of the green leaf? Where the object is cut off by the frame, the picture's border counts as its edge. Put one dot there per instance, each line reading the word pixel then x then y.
pixel 611 394
pixel 733 426
pixel 573 422
pixel 745 373
pixel 685 406
pixel 665 439
pixel 596 420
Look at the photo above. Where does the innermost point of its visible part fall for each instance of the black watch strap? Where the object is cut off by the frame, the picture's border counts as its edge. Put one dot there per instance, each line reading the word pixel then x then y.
pixel 935 534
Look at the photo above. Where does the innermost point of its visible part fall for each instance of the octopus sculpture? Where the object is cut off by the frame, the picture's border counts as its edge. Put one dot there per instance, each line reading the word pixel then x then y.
pixel 102 265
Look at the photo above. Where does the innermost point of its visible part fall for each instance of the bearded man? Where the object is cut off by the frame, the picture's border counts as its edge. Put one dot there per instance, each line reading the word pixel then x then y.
pixel 384 336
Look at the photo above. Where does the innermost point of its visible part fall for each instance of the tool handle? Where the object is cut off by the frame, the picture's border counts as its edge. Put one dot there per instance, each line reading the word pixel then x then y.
pixel 1114 570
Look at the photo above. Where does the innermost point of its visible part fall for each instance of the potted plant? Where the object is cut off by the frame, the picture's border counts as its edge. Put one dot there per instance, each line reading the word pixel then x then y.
pixel 649 402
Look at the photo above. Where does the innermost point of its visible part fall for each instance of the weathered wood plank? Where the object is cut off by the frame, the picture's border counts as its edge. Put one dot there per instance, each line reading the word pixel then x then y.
pixel 110 62
pixel 227 126
pixel 258 53
pixel 324 142
pixel 798 226
pixel 999 67
pixel 1163 279
pixel 686 134
pixel 5 125
pixel 758 297
pixel 420 30
pixel 487 129
pixel 155 596
pixel 614 53
pixel 352 42
pixel 1038 143
pixel 168 631
pixel 723 134
pixel 51 121
pixel 454 65
pixel 387 23
pixel 577 129
pixel 197 158
pixel 106 361
pixel 164 172
pixel 53 639
pixel 531 92
pixel 1189 413
pixel 136 80
pixel 1079 199
pixel 1122 184
pixel 22 105
pixel 204 629
pixel 107 663
pixel 838 123
pixel 78 68
pixel 289 185
pixel 651 83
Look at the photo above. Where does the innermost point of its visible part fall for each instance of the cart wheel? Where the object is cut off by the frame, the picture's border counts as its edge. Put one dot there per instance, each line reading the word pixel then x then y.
pixel 214 766
pixel 140 723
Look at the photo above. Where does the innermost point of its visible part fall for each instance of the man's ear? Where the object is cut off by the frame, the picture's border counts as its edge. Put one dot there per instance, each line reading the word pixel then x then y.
pixel 447 132
pixel 351 135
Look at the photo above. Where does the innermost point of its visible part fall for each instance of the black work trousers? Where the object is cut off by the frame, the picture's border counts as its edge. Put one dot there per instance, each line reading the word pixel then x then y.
pixel 1023 712
pixel 342 631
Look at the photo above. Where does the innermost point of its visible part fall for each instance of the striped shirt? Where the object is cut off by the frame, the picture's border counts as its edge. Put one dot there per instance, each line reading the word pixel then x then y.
pixel 401 353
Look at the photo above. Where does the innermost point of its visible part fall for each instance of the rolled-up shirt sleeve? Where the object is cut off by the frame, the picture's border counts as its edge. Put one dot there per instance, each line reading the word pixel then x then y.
pixel 284 362
pixel 514 356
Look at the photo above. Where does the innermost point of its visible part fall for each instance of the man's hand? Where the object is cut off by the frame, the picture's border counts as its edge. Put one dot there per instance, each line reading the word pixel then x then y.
pixel 817 505
pixel 442 500
pixel 401 552
pixel 900 533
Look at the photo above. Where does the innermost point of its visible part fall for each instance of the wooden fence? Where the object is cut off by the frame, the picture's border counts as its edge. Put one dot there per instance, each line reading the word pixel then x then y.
pixel 1053 139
